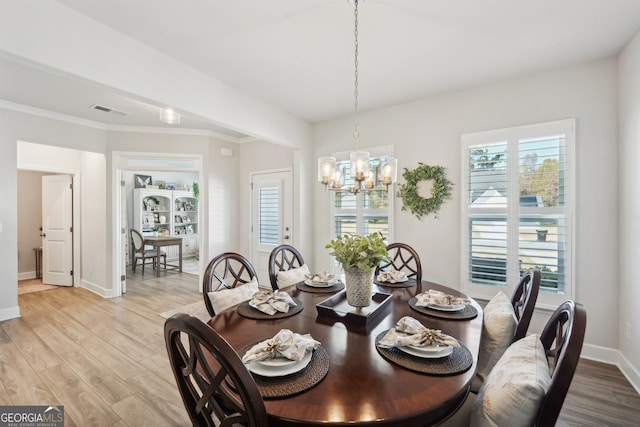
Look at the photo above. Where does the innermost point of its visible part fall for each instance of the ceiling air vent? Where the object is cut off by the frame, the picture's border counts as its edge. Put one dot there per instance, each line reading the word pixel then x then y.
pixel 109 110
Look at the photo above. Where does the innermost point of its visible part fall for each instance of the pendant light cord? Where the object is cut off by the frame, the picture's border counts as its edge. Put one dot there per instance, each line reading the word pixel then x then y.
pixel 356 134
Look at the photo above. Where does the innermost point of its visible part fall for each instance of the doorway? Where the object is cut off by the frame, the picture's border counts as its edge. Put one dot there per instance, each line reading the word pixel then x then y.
pixel 36 257
pixel 159 167
pixel 271 217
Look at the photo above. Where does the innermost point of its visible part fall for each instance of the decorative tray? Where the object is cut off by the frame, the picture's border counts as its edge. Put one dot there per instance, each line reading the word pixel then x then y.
pixel 362 319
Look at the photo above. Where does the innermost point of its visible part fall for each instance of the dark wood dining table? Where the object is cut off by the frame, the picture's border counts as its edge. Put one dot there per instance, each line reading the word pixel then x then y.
pixel 361 387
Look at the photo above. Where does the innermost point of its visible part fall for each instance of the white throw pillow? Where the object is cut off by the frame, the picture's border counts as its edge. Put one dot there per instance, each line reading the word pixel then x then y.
pixel 498 330
pixel 221 300
pixel 291 277
pixel 515 388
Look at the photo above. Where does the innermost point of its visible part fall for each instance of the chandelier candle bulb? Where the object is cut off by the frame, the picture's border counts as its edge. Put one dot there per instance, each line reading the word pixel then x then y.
pixel 326 169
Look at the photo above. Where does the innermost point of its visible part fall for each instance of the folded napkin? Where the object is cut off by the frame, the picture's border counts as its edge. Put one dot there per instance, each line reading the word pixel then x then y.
pixel 391 276
pixel 272 302
pixel 432 296
pixel 285 343
pixel 409 331
pixel 322 277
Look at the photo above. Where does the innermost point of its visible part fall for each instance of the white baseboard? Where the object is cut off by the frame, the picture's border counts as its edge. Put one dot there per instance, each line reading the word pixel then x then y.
pixel 27 275
pixel 613 357
pixel 630 372
pixel 9 313
pixel 97 289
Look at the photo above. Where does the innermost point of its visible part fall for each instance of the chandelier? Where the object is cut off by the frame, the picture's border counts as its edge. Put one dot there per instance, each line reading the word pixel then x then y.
pixel 365 176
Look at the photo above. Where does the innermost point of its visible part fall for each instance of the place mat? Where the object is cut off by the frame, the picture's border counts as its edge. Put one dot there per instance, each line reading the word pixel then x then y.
pixel 288 385
pixel 245 310
pixel 469 312
pixel 333 288
pixel 407 284
pixel 459 361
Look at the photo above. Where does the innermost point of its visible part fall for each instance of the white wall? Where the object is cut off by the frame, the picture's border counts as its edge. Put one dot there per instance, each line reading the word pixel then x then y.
pixel 218 187
pixel 29 222
pixel 429 131
pixel 629 227
pixel 256 157
pixel 89 202
pixel 14 127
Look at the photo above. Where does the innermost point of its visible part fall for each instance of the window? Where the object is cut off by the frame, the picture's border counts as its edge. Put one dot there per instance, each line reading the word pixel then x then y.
pixel 518 213
pixel 365 212
pixel 269 215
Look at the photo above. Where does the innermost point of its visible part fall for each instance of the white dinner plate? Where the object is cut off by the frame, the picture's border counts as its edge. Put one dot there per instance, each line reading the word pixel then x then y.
pixel 279 371
pixel 316 284
pixel 452 307
pixel 404 279
pixel 277 362
pixel 427 352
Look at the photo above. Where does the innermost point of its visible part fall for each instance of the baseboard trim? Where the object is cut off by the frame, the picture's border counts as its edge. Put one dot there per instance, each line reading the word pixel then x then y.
pixel 97 289
pixel 630 372
pixel 27 275
pixel 9 313
pixel 613 357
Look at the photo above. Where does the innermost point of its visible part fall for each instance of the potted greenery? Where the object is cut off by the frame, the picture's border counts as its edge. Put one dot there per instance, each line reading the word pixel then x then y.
pixel 359 255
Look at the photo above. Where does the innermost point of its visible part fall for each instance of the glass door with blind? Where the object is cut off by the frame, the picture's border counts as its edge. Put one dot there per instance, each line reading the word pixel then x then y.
pixel 271 218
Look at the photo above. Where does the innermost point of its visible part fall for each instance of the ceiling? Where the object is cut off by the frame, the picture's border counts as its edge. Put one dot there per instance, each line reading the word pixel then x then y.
pixel 299 55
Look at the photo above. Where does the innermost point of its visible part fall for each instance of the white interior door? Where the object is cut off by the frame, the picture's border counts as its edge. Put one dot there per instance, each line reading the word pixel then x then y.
pixel 57 236
pixel 270 218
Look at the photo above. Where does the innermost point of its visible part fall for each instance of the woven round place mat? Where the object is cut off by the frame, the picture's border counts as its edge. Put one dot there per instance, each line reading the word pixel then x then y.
pixel 245 310
pixel 459 361
pixel 468 312
pixel 288 385
pixel 407 284
pixel 320 290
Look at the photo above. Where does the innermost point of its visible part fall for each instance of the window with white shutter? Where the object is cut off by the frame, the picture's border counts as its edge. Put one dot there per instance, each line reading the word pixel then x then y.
pixel 518 209
pixel 269 224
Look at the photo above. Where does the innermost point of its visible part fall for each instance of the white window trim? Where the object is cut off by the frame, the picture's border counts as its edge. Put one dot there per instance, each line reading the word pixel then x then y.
pixel 546 300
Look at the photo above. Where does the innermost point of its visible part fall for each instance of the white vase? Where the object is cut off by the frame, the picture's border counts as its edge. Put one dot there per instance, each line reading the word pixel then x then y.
pixel 359 284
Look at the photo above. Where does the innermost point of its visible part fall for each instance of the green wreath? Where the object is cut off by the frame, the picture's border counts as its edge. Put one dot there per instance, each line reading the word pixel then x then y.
pixel 440 191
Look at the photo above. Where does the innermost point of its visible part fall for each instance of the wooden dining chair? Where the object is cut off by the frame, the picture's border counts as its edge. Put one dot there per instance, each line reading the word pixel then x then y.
pixel 530 382
pixel 215 386
pixel 143 253
pixel 403 258
pixel 524 300
pixel 226 271
pixel 283 258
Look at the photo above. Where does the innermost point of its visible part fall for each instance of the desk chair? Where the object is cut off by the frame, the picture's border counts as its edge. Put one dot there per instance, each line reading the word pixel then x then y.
pixel 141 252
pixel 216 387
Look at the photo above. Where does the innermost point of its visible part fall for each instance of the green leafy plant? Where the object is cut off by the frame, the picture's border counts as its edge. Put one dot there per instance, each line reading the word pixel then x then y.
pixel 440 190
pixel 361 252
pixel 196 191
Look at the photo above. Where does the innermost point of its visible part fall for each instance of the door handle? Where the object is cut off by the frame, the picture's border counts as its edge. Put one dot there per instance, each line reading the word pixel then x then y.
pixel 286 237
pixel 43 234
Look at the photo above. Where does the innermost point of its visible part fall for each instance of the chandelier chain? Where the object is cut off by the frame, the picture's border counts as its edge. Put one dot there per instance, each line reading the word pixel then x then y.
pixel 356 134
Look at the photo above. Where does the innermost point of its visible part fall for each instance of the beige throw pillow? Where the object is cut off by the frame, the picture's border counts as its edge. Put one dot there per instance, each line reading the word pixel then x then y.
pixel 498 330
pixel 221 300
pixel 291 277
pixel 513 391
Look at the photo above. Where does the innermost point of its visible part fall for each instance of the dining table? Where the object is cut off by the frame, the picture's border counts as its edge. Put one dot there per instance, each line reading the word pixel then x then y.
pixel 353 381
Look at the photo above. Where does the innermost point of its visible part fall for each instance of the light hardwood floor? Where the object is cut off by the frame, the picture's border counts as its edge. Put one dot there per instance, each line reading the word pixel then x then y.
pixel 105 360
